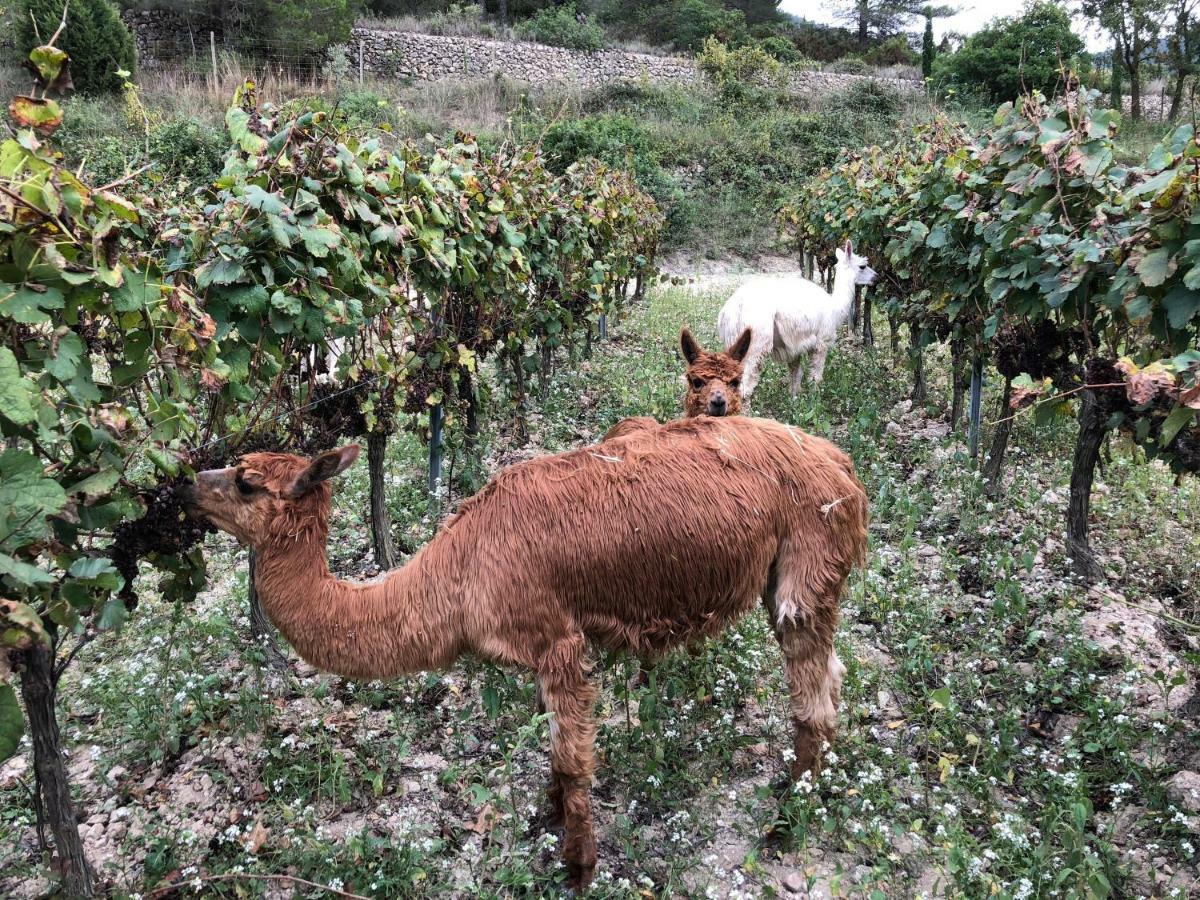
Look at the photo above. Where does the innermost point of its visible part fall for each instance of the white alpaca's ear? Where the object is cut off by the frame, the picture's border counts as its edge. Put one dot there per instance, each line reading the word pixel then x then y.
pixel 322 468
pixel 849 250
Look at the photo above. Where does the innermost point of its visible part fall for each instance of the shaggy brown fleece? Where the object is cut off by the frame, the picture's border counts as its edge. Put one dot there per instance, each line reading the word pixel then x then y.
pixel 641 542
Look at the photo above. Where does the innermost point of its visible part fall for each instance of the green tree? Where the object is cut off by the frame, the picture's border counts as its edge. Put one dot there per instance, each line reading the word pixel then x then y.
pixel 685 24
pixel 927 48
pixel 1182 51
pixel 95 39
pixel 876 20
pixel 1013 55
pixel 299 28
pixel 1134 25
pixel 756 10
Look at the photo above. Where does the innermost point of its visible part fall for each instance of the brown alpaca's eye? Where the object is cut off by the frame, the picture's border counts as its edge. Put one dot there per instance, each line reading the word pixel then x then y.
pixel 735 382
pixel 698 383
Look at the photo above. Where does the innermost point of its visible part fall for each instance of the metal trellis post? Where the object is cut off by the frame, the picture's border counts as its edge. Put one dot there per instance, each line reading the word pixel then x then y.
pixel 974 412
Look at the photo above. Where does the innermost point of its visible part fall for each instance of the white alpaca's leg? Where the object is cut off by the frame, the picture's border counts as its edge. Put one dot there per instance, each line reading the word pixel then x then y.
pixel 751 368
pixel 817 363
pixel 756 358
pixel 796 367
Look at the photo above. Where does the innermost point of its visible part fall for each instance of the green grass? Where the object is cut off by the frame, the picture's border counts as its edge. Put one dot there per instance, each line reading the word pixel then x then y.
pixel 988 747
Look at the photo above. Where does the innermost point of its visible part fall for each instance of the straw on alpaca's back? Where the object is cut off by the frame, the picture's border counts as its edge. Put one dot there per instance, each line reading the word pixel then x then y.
pixel 673 531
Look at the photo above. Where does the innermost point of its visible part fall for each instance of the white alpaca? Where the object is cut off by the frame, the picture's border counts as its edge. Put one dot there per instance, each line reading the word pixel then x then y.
pixel 791 317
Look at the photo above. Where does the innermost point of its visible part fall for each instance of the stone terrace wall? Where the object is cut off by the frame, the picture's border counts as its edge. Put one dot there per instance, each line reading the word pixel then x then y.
pixel 161 39
pixel 427 57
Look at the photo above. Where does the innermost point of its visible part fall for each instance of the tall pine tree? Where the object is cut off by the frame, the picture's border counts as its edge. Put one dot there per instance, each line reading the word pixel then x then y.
pixel 927 49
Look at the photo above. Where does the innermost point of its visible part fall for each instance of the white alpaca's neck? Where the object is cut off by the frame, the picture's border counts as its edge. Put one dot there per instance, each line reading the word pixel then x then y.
pixel 843 289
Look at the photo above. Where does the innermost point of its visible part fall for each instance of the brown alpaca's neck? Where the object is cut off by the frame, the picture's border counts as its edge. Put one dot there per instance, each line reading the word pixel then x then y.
pixel 407 621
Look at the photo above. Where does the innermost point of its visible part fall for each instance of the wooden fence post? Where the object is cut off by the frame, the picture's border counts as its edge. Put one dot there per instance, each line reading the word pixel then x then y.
pixel 360 63
pixel 212 46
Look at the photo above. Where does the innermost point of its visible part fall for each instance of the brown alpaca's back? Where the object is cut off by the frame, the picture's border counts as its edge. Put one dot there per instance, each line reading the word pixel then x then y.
pixel 658 536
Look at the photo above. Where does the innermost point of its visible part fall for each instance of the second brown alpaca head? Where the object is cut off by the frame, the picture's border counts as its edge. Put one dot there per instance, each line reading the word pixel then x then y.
pixel 714 380
pixel 269 499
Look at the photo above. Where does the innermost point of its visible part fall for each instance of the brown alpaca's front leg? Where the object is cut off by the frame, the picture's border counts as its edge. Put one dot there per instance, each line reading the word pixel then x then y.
pixel 570 698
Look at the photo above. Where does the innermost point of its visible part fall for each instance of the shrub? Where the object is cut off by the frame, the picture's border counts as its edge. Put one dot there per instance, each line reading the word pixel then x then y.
pixel 100 141
pixel 187 149
pixel 96 40
pixel 457 18
pixel 1012 55
pixel 560 26
pixel 367 108
pixel 895 51
pixel 823 43
pixel 850 65
pixel 617 140
pixel 747 65
pixel 870 99
pixel 781 48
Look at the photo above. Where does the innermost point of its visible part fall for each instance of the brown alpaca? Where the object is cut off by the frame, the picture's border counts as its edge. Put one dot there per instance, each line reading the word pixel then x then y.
pixel 714 383
pixel 639 543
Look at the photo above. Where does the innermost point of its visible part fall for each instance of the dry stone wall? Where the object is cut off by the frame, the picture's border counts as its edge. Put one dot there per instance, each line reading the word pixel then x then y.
pixel 428 57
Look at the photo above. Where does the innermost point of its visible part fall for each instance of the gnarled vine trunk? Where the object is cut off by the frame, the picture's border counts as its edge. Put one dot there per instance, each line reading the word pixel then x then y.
pixel 466 393
pixel 381 526
pixel 894 336
pixel 917 355
pixel 1083 470
pixel 37 689
pixel 868 330
pixel 517 364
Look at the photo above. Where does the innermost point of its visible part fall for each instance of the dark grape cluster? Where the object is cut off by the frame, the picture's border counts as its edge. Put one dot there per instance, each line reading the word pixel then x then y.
pixel 1111 400
pixel 1039 351
pixel 1183 452
pixel 165 528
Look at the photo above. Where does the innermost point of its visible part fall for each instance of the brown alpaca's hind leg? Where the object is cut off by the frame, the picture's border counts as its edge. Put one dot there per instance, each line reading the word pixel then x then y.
pixel 555 793
pixel 814 673
pixel 567 694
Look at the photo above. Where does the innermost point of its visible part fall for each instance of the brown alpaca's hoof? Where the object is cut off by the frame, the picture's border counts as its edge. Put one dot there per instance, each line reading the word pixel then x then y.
pixel 580 875
pixel 580 857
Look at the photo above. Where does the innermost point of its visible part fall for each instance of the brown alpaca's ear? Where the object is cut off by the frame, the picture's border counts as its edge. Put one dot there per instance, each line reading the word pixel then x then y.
pixel 738 350
pixel 687 343
pixel 322 468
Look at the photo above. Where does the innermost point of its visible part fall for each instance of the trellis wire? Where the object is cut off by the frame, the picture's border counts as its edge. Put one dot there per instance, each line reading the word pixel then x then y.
pixel 291 412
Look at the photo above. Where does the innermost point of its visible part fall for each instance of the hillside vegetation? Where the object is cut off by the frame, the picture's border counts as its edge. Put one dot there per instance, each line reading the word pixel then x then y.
pixel 463 275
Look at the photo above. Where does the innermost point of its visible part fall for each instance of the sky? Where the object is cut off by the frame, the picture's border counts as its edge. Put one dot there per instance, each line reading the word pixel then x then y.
pixel 972 15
